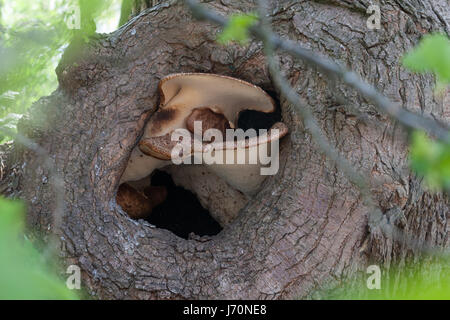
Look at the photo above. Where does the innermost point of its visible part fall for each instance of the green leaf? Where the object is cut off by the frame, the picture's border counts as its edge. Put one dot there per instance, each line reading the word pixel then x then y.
pixel 237 28
pixel 24 274
pixel 431 159
pixel 431 55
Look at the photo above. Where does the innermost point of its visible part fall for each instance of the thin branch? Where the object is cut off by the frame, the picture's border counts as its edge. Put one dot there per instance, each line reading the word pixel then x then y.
pixel 271 43
pixel 303 108
pixel 375 216
pixel 408 119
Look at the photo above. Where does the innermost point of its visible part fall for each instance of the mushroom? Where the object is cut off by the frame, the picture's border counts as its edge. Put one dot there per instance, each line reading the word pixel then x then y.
pixel 246 177
pixel 181 93
pixel 249 176
pixel 140 166
pixel 186 97
pixel 139 205
pixel 216 101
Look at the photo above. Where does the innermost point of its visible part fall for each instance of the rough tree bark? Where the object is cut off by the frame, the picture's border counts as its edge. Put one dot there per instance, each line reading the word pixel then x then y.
pixel 132 8
pixel 307 226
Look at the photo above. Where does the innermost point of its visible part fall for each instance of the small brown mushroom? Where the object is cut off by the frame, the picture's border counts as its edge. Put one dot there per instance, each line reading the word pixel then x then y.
pixel 156 194
pixel 139 205
pixel 209 120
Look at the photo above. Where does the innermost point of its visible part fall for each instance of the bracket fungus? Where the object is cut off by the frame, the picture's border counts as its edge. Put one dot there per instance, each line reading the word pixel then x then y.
pixel 206 107
pixel 182 93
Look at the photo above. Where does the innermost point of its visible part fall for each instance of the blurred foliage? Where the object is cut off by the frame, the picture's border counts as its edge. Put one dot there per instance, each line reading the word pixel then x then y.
pixel 432 54
pixel 426 280
pixel 125 11
pixel 93 11
pixel 33 36
pixel 24 274
pixel 429 158
pixel 29 44
pixel 237 28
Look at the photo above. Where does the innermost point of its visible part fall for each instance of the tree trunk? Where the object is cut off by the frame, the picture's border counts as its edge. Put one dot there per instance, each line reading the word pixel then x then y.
pixel 132 8
pixel 307 226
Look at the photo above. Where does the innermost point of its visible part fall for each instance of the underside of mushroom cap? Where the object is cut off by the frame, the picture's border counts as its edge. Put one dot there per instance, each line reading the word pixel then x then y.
pixel 276 132
pixel 161 147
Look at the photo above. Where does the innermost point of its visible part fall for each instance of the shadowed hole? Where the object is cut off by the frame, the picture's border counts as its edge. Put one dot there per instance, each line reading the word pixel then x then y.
pixel 251 119
pixel 181 212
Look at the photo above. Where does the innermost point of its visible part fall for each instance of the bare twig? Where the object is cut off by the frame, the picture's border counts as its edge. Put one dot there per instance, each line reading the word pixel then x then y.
pixel 375 216
pixel 302 107
pixel 408 119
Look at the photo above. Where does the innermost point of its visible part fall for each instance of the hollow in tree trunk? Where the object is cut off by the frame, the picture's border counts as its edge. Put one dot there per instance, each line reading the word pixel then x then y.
pixel 307 226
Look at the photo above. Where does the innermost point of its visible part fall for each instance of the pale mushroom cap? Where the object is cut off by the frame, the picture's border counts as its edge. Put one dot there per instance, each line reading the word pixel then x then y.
pixel 247 177
pixel 183 92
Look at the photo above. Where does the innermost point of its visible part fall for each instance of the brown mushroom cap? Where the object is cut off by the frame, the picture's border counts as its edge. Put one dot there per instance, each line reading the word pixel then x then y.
pixel 139 205
pixel 161 147
pixel 209 120
pixel 158 147
pixel 276 132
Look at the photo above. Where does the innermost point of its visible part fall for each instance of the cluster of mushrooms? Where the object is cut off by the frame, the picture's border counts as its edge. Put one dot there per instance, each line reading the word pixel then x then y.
pixel 217 101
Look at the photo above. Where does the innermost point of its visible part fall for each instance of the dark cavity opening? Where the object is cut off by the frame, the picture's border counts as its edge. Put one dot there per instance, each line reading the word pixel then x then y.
pixel 181 212
pixel 251 119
